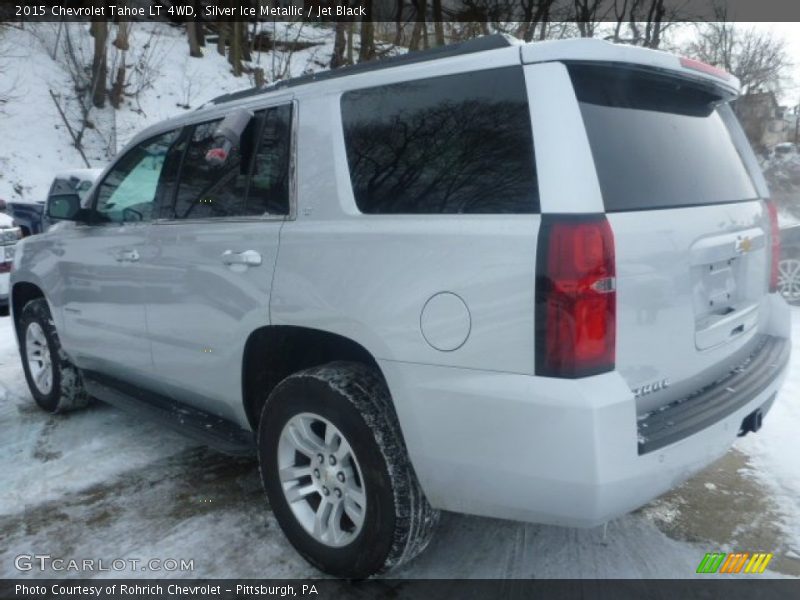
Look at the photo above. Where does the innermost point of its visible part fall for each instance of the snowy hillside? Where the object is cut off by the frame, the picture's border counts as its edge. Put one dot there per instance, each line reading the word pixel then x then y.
pixel 35 141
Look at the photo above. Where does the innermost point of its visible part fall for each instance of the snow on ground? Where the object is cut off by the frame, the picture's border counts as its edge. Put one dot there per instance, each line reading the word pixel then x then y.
pixel 101 484
pixel 774 453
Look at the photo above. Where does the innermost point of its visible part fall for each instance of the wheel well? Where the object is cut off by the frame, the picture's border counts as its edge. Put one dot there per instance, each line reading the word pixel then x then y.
pixel 21 294
pixel 273 353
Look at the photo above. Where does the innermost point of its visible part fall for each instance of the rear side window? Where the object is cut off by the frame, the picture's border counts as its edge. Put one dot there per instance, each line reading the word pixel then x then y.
pixel 657 141
pixel 454 144
pixel 254 180
pixel 269 182
pixel 207 191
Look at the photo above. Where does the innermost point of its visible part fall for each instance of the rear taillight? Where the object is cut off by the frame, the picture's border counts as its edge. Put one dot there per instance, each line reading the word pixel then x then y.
pixel 775 245
pixel 575 296
pixel 5 267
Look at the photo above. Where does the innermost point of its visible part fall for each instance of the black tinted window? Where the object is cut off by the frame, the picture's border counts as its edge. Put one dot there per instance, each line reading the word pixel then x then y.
pixel 206 190
pixel 455 144
pixel 269 184
pixel 657 142
pixel 253 181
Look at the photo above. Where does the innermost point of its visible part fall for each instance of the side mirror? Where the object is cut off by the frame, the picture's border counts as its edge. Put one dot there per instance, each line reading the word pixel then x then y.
pixel 65 207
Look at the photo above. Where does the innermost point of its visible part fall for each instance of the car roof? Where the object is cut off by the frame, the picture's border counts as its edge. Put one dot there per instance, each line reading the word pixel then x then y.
pixel 481 52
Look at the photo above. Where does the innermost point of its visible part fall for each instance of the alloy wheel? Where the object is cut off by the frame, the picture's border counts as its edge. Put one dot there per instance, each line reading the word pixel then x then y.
pixel 37 352
pixel 321 479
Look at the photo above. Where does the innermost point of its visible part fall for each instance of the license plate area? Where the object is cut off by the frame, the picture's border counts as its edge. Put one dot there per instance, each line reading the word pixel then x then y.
pixel 728 280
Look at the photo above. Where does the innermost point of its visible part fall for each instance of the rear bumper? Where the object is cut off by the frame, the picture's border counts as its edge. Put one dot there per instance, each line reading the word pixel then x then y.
pixel 562 452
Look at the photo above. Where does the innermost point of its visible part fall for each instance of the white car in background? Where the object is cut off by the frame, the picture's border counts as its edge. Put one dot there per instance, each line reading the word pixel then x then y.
pixel 9 234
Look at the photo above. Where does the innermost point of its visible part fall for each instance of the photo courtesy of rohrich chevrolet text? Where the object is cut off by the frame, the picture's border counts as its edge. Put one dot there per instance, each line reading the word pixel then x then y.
pixel 399 299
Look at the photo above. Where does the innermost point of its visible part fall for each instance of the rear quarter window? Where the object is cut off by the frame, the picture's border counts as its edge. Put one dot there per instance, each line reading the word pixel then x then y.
pixel 454 144
pixel 657 141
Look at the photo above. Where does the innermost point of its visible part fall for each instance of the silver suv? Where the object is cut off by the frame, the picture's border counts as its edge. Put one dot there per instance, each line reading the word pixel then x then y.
pixel 533 282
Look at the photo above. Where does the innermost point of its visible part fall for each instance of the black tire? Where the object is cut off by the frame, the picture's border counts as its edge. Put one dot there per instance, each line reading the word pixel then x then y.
pixel 4 310
pixel 398 522
pixel 66 392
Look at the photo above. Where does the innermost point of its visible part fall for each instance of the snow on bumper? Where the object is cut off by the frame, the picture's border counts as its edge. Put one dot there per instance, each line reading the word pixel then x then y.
pixel 556 451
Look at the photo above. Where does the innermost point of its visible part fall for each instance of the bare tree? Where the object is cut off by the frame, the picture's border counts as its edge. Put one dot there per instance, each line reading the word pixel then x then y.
pixel 366 49
pixel 760 59
pixel 122 44
pixel 339 45
pixel 8 85
pixel 438 26
pixel 237 41
pixel 99 30
pixel 534 13
pixel 419 34
pixel 588 14
pixel 193 36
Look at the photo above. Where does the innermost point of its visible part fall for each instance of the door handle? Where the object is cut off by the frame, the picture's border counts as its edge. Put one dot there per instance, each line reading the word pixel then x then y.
pixel 127 256
pixel 249 258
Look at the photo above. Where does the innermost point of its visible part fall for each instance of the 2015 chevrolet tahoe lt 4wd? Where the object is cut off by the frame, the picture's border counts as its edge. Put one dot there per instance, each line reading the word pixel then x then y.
pixel 529 281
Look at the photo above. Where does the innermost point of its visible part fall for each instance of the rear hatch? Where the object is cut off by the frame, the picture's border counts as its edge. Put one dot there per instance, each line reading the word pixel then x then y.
pixel 690 230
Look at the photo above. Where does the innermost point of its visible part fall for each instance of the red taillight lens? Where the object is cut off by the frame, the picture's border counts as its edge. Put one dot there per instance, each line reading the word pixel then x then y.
pixel 775 245
pixel 5 267
pixel 575 296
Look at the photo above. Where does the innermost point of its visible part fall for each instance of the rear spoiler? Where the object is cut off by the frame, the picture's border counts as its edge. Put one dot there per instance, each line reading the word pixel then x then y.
pixel 593 50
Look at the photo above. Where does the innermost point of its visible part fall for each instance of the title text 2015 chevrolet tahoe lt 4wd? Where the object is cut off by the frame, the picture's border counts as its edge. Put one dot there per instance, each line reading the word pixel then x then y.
pixel 529 281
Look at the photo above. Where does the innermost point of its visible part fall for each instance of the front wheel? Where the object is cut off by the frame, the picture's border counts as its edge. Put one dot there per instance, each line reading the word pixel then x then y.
pixel 55 383
pixel 336 473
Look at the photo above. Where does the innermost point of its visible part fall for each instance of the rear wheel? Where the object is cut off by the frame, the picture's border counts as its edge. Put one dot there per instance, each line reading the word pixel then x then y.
pixel 335 469
pixel 55 383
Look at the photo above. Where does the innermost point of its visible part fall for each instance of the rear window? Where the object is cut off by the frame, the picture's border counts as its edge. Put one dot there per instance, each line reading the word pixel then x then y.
pixel 453 144
pixel 657 141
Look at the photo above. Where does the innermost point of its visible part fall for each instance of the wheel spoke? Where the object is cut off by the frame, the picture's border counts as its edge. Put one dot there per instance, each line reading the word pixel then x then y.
pixel 335 521
pixel 332 438
pixel 322 520
pixel 356 495
pixel 302 442
pixel 34 352
pixel 343 452
pixel 292 473
pixel 299 492
pixel 354 512
pixel 41 377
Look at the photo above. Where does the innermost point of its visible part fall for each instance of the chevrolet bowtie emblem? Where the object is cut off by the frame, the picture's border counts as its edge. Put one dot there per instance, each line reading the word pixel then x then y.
pixel 744 245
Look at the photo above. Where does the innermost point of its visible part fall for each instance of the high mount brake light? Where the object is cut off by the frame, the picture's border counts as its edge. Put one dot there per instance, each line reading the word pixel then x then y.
pixel 696 65
pixel 575 296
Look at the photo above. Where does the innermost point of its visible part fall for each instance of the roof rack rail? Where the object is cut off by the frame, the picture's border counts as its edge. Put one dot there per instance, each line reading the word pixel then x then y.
pixel 481 44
